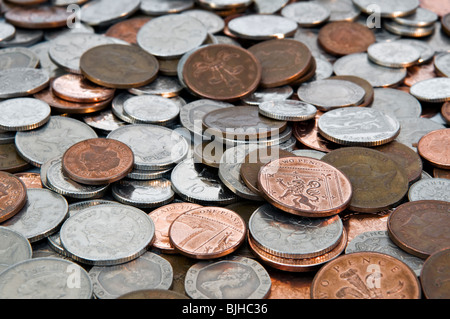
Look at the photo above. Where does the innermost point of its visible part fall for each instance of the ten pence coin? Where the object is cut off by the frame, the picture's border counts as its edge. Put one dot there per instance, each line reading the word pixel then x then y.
pixel 435 148
pixel 13 195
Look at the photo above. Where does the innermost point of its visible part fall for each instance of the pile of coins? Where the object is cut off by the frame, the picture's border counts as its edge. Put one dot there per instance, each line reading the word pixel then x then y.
pixel 207 149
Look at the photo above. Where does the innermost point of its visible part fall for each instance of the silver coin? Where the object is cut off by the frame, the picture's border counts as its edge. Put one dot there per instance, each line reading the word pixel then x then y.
pixel 171 36
pixel 340 93
pixel 52 139
pixel 341 10
pixel 324 69
pixel 283 235
pixel 388 8
pixel 438 40
pixel 288 110
pixel 104 121
pixel 78 27
pixel 442 64
pixel 274 139
pixel 306 14
pixel 396 103
pixel 20 82
pixel 309 153
pixel 7 31
pixel 41 216
pixel 141 175
pixel 426 51
pixel 181 64
pixel 149 271
pixel 420 18
pixel 117 106
pixel 14 248
pixel 212 22
pixel 425 175
pixel 200 184
pixel 358 126
pixel 408 31
pixel 233 277
pixel 154 147
pixel 393 54
pixel 230 171
pixel 223 39
pixel 23 38
pixel 430 189
pixel 262 27
pixel 379 241
pixel 107 12
pixel 288 145
pixel 18 57
pixel 309 36
pixel 45 278
pixel 413 129
pixel 433 90
pixel 163 7
pixel 224 4
pixel 269 94
pixel 41 51
pixel 269 6
pixel 166 86
pixel 106 235
pixel 358 64
pixel 23 114
pixel 151 109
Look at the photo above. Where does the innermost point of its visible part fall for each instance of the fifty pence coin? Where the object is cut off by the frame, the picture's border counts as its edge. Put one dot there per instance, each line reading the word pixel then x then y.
pixel 14 196
pixel 14 248
pixel 430 189
pixel 23 114
pixel 20 82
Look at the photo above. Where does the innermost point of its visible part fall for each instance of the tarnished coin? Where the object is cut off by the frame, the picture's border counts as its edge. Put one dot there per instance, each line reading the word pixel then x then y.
pixel 151 109
pixel 432 90
pixel 413 129
pixel 434 277
pixel 396 103
pixel 288 110
pixel 393 54
pixel 18 57
pixel 106 12
pixel 14 196
pixel 420 227
pixel 207 232
pixel 14 248
pixel 230 278
pixel 23 114
pixel 378 182
pixel 40 17
pixel 45 278
pixel 430 189
pixel 365 275
pixel 106 235
pixel 305 186
pixel 434 147
pixel 356 126
pixel 388 9
pixel 306 14
pixel 75 88
pixel 20 82
pixel 149 271
pixel 47 211
pixel 262 27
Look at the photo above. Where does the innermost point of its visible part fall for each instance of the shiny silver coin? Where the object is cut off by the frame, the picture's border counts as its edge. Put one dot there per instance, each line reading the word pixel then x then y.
pixel 165 86
pixel 163 7
pixel 269 94
pixel 340 10
pixel 408 31
pixel 430 189
pixel 288 110
pixel 306 14
pixel 309 153
pixel 200 184
pixel 18 58
pixel 212 22
pixel 20 82
pixel 151 109
pixel 413 129
pixel 224 4
pixel 232 277
pixel 388 8
pixel 262 27
pixel 23 38
pixel 393 54
pixel 379 241
pixel 52 139
pixel 433 90
pixel 141 175
pixel 104 121
pixel 14 248
pixel 45 278
pixel 442 64
pixel 42 215
pixel 23 114
pixel 107 12
pixel 106 235
pixel 358 126
pixel 7 31
pixel 420 18
pixel 396 103
pixel 359 65
pixel 426 51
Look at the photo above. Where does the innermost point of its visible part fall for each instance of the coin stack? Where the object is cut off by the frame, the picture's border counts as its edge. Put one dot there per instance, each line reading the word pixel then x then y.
pixel 224 149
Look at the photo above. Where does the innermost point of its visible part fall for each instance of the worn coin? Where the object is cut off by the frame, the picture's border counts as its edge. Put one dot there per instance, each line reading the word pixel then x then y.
pixel 262 27
pixel 106 12
pixel 14 196
pixel 306 14
pixel 18 82
pixel 396 103
pixel 151 109
pixel 41 17
pixel 14 248
pixel 434 147
pixel 23 114
pixel 430 189
pixel 435 275
pixel 75 88
pixel 432 90
pixel 386 8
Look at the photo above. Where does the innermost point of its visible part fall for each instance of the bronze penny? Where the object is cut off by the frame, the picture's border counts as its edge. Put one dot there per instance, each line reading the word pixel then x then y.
pixel 370 93
pixel 222 72
pixel 440 7
pixel 307 76
pixel 98 161
pixel 445 111
pixel 13 195
pixel 405 156
pixel 75 88
pixel 119 66
pixel 163 218
pixel 283 61
pixel 127 30
pixel 418 73
pixel 435 148
pixel 378 182
pixel 44 17
pixel 343 37
pixel 241 123
pixel 365 275
pixel 441 173
pixel 305 186
pixel 207 233
pixel 435 275
pixel 420 228
pixel 31 180
pixel 358 223
pixel 10 160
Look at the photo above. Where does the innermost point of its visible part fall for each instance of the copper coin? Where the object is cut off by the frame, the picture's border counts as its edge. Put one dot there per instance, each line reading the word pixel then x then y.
pixel 441 173
pixel 163 218
pixel 283 61
pixel 63 106
pixel 241 123
pixel 378 182
pixel 222 72
pixel 405 156
pixel 305 186
pixel 440 7
pixel 10 160
pixel 421 227
pixel 127 30
pixel 43 17
pixel 75 88
pixel 445 111
pixel 365 275
pixel 419 73
pixel 98 161
pixel 370 93
pixel 435 148
pixel 31 180
pixel 435 275
pixel 208 232
pixel 342 38
pixel 119 66
pixel 13 195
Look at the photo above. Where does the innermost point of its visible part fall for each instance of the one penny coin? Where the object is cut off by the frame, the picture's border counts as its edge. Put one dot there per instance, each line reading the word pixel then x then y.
pixel 98 161
pixel 342 38
pixel 43 17
pixel 13 195
pixel 420 228
pixel 435 277
pixel 127 30
pixel 283 61
pixel 365 275
pixel 119 66
pixel 435 148
pixel 222 72
pixel 208 232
